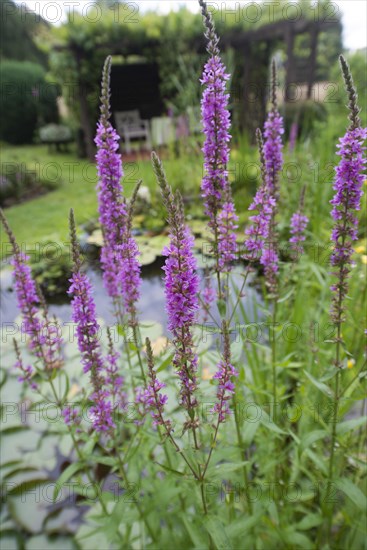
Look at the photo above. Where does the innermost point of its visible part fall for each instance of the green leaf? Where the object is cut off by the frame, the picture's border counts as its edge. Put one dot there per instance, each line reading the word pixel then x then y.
pixel 298 539
pixel 217 533
pixel 195 533
pixel 319 385
pixel 222 307
pixel 25 486
pixel 241 526
pixel 42 542
pixel 310 521
pixel 269 424
pixel 353 492
pixel 65 476
pixel 176 472
pixel 105 460
pixel 286 296
pixel 220 470
pixel 165 363
pixel 311 437
pixel 349 425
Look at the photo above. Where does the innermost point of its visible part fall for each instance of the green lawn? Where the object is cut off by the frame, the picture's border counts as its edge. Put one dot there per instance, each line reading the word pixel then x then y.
pixel 47 215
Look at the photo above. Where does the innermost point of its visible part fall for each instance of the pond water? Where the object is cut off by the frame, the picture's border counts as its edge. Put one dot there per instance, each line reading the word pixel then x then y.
pixel 151 305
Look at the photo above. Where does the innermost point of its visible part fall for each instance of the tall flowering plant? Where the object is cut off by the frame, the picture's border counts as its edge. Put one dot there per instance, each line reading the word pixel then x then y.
pixel 44 337
pixel 181 288
pixel 216 123
pixel 346 202
pixel 191 453
pixel 120 253
pixel 273 158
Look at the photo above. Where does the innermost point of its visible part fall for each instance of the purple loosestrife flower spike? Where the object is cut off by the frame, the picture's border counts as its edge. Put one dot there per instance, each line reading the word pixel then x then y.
pixel 273 164
pixel 26 373
pixel 208 295
pixel 114 380
pixel 84 315
pixel 347 199
pixel 299 223
pixel 181 288
pixel 273 145
pixel 227 241
pixel 44 340
pixel 111 207
pixel 120 253
pixel 224 375
pixel 216 125
pixel 152 397
pixel 264 203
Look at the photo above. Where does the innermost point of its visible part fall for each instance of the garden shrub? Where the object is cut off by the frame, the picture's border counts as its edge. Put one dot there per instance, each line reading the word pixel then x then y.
pixel 305 114
pixel 19 183
pixel 26 102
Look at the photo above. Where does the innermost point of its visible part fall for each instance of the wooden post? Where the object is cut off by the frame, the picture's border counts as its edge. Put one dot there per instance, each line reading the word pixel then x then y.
pixel 312 68
pixel 289 88
pixel 84 110
pixel 246 103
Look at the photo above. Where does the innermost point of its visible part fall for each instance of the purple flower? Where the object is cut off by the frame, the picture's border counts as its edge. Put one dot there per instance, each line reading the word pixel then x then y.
pixel 348 192
pixel 181 280
pixel 264 203
pixel 293 136
pixel 101 412
pixel 114 381
pixel 112 209
pixel 258 231
pixel 216 125
pixel 208 295
pixel 227 242
pixel 224 375
pixel 87 331
pixel 130 274
pixel 346 201
pixel 87 328
pixel 151 397
pixel 44 337
pixel 299 224
pixel 71 415
pixel 273 150
pixel 119 255
pixel 273 159
pixel 226 389
pixel 181 288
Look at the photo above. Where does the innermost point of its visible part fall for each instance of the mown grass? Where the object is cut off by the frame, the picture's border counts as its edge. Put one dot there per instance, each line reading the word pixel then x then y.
pixel 46 216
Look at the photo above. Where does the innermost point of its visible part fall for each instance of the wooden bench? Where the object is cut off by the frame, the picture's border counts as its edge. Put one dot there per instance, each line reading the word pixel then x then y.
pixel 131 126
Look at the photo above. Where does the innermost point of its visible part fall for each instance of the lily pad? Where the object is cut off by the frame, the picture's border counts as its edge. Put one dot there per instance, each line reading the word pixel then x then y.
pixel 96 238
pixel 42 542
pixel 30 509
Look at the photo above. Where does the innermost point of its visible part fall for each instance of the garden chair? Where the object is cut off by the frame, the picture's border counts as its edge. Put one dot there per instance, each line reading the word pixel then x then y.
pixel 131 126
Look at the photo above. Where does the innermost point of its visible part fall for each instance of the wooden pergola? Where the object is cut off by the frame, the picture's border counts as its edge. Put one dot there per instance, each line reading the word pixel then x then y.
pixel 271 35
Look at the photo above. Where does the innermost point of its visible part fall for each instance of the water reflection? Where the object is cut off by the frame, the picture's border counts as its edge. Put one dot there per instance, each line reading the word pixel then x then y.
pixel 151 305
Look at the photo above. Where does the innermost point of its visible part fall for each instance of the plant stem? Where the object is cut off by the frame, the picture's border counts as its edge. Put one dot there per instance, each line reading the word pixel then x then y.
pixel 136 502
pixel 330 511
pixel 241 446
pixel 137 340
pixel 77 449
pixel 273 362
